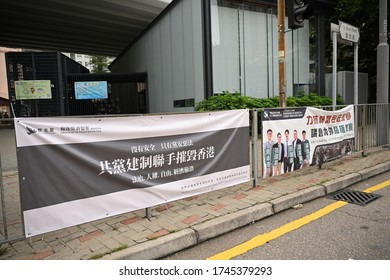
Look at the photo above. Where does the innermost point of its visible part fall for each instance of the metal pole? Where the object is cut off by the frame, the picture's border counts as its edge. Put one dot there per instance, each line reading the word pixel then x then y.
pixel 382 121
pixel 3 202
pixel 356 90
pixel 255 161
pixel 334 68
pixel 148 213
pixel 282 54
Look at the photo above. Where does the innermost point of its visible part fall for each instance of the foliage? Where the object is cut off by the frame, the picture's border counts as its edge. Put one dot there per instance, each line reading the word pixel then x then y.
pixel 230 101
pixel 363 14
pixel 99 64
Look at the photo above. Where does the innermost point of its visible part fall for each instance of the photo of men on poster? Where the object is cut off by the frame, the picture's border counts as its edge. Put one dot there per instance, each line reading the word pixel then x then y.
pixel 304 137
pixel 305 149
pixel 267 152
pixel 288 152
pixel 278 155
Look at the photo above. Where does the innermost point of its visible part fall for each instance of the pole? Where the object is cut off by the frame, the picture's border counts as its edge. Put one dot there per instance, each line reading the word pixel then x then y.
pixel 334 68
pixel 282 54
pixel 356 75
pixel 356 90
pixel 255 162
pixel 3 203
pixel 382 120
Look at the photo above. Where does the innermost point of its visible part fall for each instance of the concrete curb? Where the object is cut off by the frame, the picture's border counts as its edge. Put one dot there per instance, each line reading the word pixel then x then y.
pixel 224 224
pixel 342 182
pixel 375 170
pixel 175 242
pixel 288 201
pixel 157 248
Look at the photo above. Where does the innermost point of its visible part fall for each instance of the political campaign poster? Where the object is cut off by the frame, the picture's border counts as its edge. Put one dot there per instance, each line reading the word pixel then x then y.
pixel 33 89
pixel 76 170
pixel 294 138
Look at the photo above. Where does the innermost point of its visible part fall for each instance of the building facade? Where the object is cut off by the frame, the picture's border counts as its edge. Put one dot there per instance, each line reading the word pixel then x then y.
pixel 196 49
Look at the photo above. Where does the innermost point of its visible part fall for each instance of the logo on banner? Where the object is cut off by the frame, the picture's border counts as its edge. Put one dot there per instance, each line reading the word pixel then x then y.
pixel 40 130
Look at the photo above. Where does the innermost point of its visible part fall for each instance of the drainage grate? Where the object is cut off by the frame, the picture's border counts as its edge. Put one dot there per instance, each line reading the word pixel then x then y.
pixel 355 197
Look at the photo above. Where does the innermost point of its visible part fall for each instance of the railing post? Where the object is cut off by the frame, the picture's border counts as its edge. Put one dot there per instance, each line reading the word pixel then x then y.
pixel 3 210
pixel 255 162
pixel 148 212
pixel 363 127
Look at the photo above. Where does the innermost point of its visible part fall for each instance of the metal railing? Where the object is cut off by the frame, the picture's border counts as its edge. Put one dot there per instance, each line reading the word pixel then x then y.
pixel 370 131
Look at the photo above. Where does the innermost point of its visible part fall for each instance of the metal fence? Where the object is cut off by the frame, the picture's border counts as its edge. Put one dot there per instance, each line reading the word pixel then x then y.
pixel 371 130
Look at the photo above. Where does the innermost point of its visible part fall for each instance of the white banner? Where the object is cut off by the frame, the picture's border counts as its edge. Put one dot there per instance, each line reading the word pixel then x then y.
pixel 75 170
pixel 294 138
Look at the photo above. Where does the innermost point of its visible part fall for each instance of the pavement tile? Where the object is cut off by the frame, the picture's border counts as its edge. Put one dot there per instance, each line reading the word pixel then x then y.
pixel 130 220
pixel 191 219
pixel 157 234
pixel 94 245
pixel 41 255
pixel 109 242
pixel 125 238
pixel 132 229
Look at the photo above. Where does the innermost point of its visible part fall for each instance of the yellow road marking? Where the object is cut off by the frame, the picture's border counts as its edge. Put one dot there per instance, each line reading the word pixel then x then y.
pixel 260 240
pixel 378 187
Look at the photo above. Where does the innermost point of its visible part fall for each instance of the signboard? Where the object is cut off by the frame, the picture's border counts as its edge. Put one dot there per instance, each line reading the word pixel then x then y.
pixel 91 90
pixel 349 32
pixel 298 137
pixel 33 89
pixel 75 170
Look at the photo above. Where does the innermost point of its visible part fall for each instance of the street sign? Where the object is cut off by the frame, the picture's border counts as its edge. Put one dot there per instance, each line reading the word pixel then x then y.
pixel 349 32
pixel 334 28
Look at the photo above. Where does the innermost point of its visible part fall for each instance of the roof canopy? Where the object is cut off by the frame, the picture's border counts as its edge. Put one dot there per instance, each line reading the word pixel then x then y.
pixel 101 27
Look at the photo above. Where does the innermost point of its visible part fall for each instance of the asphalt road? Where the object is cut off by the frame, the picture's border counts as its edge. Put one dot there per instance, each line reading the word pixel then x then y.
pixel 350 232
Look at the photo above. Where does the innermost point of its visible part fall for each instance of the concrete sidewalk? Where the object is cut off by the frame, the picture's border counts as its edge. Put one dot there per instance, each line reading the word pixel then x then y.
pixel 177 225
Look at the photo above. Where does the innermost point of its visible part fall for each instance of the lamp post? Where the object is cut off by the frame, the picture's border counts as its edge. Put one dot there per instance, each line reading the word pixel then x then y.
pixel 282 54
pixel 382 77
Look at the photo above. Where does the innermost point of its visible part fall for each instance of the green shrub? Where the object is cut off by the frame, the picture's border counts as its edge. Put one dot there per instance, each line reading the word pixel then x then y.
pixel 230 101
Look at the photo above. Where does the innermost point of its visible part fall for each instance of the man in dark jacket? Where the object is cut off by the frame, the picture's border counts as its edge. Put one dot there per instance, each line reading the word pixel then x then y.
pixel 297 144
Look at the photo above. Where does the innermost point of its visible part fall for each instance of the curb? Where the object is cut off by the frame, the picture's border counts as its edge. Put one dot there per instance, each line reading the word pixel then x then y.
pixel 342 182
pixel 288 201
pixel 224 224
pixel 175 242
pixel 375 170
pixel 157 248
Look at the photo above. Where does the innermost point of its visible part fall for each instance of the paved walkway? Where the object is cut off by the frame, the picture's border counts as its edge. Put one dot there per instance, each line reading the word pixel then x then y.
pixel 180 224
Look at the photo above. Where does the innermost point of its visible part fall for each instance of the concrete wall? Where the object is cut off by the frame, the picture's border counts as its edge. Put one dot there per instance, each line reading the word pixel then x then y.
pixel 171 52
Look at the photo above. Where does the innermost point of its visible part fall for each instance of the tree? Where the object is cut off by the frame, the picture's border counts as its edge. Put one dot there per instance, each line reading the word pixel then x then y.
pixel 99 64
pixel 363 14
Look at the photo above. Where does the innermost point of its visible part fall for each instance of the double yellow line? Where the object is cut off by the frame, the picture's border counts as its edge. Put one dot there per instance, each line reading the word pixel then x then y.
pixel 260 240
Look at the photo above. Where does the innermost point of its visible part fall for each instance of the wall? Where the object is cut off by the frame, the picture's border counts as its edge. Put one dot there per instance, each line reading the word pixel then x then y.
pixel 245 51
pixel 346 86
pixel 3 71
pixel 171 53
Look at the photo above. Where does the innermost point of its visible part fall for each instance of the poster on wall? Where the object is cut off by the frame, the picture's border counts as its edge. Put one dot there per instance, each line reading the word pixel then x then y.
pixel 91 90
pixel 294 138
pixel 76 170
pixel 33 89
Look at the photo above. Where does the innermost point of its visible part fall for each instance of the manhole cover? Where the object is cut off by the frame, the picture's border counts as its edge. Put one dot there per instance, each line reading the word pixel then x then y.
pixel 355 197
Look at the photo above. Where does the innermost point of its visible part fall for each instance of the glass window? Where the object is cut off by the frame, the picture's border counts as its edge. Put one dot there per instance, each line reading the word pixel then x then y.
pixel 245 51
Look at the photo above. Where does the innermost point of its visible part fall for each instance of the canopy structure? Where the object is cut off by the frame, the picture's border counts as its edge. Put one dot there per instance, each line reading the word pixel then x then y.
pixel 98 27
pixel 94 27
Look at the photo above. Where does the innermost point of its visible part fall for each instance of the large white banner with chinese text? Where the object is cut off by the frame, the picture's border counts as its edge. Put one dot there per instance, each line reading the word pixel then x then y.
pixel 75 170
pixel 294 138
